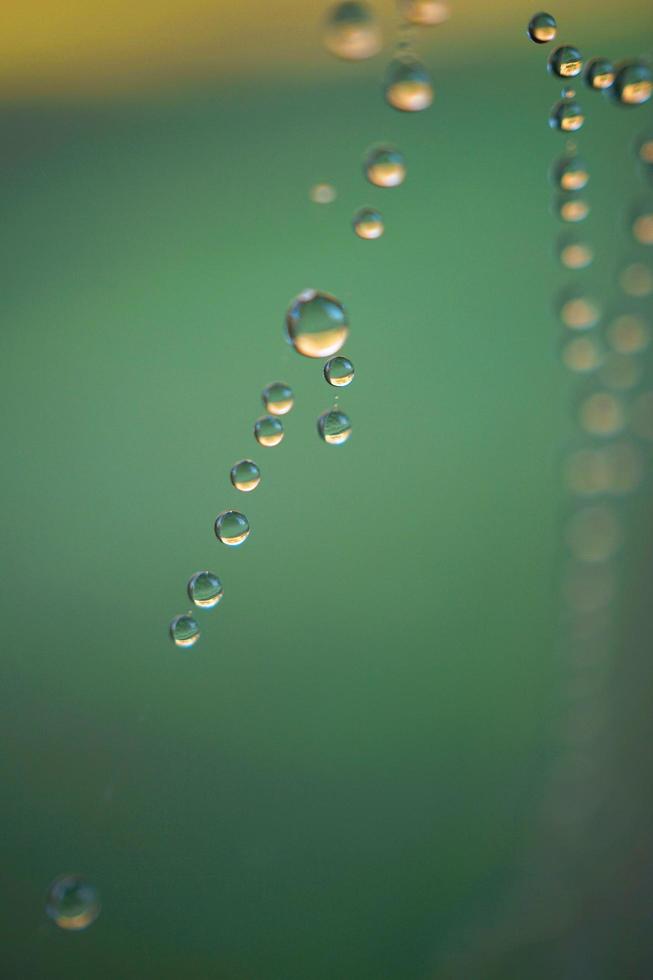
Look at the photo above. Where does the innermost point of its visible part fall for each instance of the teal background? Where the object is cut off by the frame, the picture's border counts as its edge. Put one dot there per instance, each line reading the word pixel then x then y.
pixel 344 775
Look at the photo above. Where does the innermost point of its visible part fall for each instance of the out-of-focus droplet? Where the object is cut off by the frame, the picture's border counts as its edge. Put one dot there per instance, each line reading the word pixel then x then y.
pixel 72 903
pixel 542 28
pixel 323 193
pixel 268 430
pixel 278 398
pixel 642 416
pixel 316 324
pixel 184 631
pixel 578 311
pixel 572 208
pixel 621 372
pixel 629 334
pixel 575 252
pixel 205 590
pixel 589 588
pixel 245 475
pixel 567 116
pixel 565 62
pixel 636 279
pixel 642 224
pixel 368 223
pixel 582 355
pixel 385 166
pixel 602 414
pixel 626 467
pixel 587 472
pixel 334 427
pixel 425 13
pixel 600 74
pixel 339 372
pixel 408 85
pixel 644 150
pixel 352 32
pixel 571 173
pixel 231 527
pixel 633 84
pixel 594 533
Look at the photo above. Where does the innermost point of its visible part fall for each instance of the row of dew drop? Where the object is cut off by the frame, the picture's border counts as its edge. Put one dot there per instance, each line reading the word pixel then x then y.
pixel 317 326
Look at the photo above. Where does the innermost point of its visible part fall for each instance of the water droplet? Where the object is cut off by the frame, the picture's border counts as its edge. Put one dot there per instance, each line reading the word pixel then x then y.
pixel 578 311
pixel 385 166
pixel 72 902
pixel 594 533
pixel 644 150
pixel 205 590
pixel 568 93
pixel 571 173
pixel 626 467
pixel 245 475
pixel 323 193
pixel 587 472
pixel 636 279
pixel 574 252
pixel 642 226
pixel 268 430
pixel 621 372
pixel 408 85
pixel 316 324
pixel 571 208
pixel 633 84
pixel 565 62
pixel 602 414
pixel 352 32
pixel 339 372
pixel 425 13
pixel 184 631
pixel 542 28
pixel 567 116
pixel 368 223
pixel 629 334
pixel 600 74
pixel 278 398
pixel 642 418
pixel 588 589
pixel 334 427
pixel 582 354
pixel 231 527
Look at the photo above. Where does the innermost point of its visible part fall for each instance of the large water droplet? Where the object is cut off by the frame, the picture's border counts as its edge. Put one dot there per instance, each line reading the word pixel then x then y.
pixel 385 166
pixel 408 85
pixel 334 427
pixel 268 430
pixel 600 74
pixel 278 398
pixel 231 527
pixel 368 223
pixel 352 32
pixel 245 475
pixel 339 372
pixel 184 631
pixel 565 62
pixel 205 590
pixel 72 902
pixel 542 28
pixel 633 84
pixel 567 116
pixel 316 324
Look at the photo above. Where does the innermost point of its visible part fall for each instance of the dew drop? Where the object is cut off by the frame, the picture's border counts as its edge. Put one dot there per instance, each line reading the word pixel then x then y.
pixel 278 398
pixel 542 28
pixel 408 85
pixel 72 902
pixel 231 527
pixel 184 631
pixel 205 590
pixel 574 252
pixel 334 427
pixel 633 84
pixel 339 372
pixel 578 311
pixel 571 173
pixel 425 13
pixel 566 116
pixel 642 225
pixel 352 32
pixel 245 475
pixel 644 150
pixel 368 223
pixel 268 430
pixel 316 324
pixel 600 74
pixel 572 208
pixel 323 193
pixel 565 62
pixel 385 166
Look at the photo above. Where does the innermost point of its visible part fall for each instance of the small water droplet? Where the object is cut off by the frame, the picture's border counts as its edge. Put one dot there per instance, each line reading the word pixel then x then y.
pixel 600 74
pixel 352 32
pixel 245 475
pixel 571 173
pixel 339 372
pixel 565 62
pixel 205 590
pixel 425 13
pixel 316 324
pixel 385 166
pixel 368 223
pixel 323 193
pixel 629 334
pixel 602 414
pixel 578 311
pixel 268 430
pixel 334 427
pixel 567 116
pixel 408 85
pixel 184 631
pixel 574 252
pixel 572 208
pixel 542 28
pixel 642 224
pixel 621 372
pixel 594 533
pixel 231 527
pixel 72 902
pixel 636 279
pixel 278 398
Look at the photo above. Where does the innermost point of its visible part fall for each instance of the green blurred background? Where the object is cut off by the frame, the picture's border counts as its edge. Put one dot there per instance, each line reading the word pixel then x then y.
pixel 343 778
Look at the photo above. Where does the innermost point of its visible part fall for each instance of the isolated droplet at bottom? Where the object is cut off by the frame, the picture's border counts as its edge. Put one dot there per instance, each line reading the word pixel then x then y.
pixel 205 590
pixel 316 324
pixel 72 902
pixel 184 631
pixel 339 372
pixel 334 427
pixel 368 223
pixel 278 398
pixel 268 430
pixel 231 527
pixel 245 475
